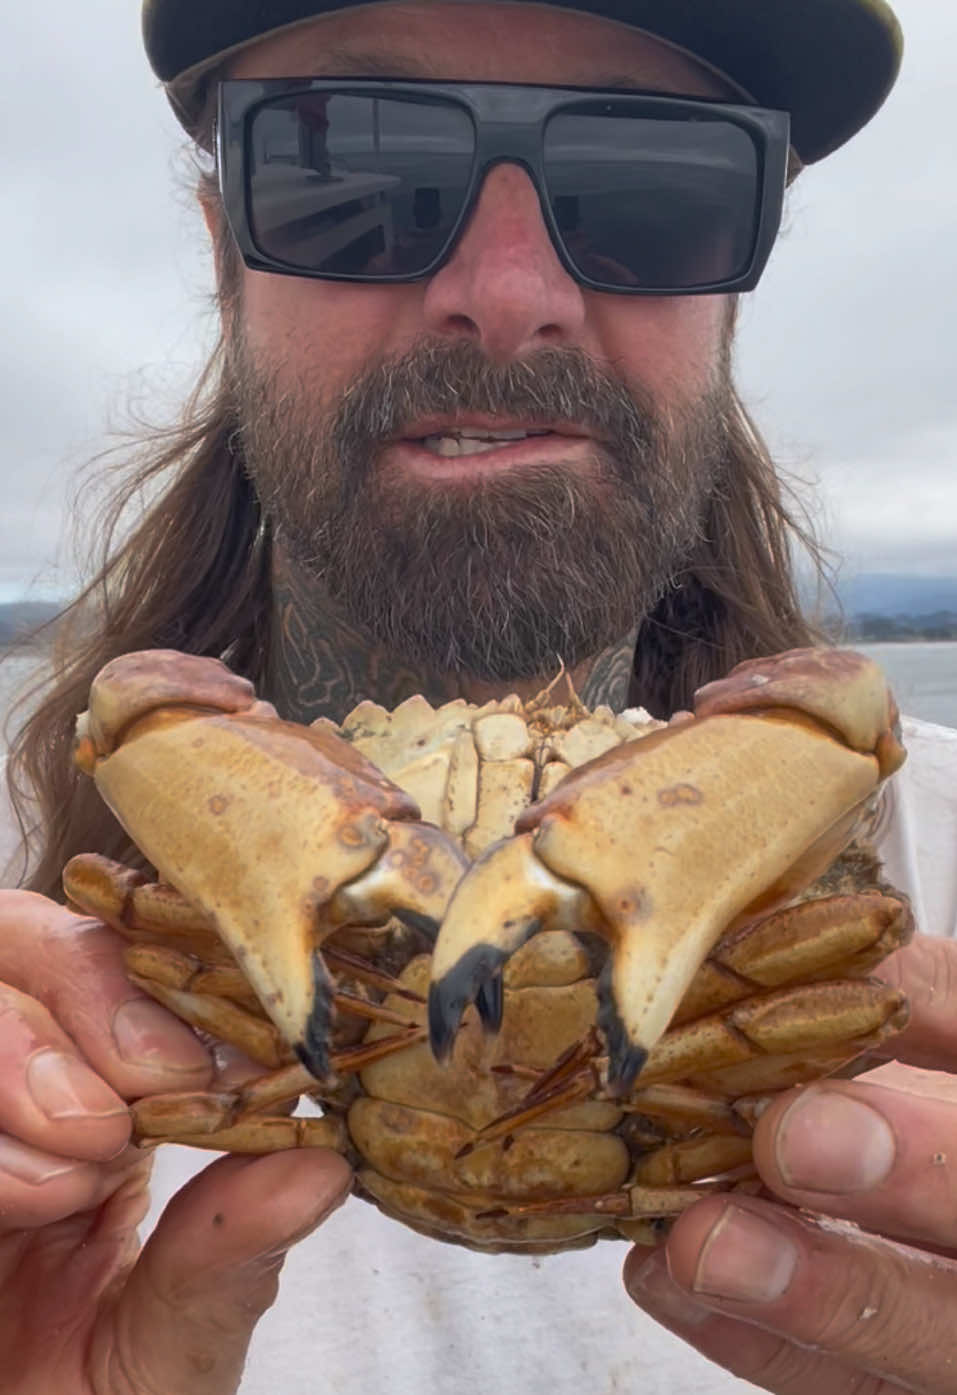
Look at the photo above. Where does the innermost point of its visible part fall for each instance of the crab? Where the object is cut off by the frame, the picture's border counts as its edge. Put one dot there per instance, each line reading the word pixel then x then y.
pixel 540 967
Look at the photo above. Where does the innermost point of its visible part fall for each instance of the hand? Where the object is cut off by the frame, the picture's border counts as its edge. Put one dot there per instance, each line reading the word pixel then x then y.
pixel 798 1305
pixel 84 1311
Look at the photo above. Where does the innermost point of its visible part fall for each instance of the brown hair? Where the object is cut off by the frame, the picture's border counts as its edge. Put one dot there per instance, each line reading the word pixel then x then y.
pixel 194 575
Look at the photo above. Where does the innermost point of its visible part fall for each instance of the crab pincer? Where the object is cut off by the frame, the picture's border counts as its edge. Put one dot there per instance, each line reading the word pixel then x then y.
pixel 279 833
pixel 661 844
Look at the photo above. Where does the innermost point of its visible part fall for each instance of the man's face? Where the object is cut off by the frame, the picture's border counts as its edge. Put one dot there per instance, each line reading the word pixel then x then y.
pixel 499 561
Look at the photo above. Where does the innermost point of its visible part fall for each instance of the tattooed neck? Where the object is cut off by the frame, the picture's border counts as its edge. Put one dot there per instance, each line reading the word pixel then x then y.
pixel 609 675
pixel 321 666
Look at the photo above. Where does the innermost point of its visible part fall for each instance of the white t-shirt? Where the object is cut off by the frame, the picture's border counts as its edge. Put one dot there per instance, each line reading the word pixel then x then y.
pixel 366 1305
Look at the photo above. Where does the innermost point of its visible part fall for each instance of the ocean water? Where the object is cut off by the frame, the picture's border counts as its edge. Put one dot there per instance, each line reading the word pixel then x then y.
pixel 923 676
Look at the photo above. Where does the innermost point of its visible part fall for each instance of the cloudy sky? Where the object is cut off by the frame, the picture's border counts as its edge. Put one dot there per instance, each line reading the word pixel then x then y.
pixel 846 353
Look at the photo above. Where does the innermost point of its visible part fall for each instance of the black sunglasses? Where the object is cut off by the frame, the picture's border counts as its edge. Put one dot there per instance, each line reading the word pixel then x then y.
pixel 372 181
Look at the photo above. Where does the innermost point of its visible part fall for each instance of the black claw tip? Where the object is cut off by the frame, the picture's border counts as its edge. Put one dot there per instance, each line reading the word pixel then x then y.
pixel 472 980
pixel 313 1050
pixel 444 1016
pixel 490 1002
pixel 314 1057
pixel 624 1065
pixel 625 1057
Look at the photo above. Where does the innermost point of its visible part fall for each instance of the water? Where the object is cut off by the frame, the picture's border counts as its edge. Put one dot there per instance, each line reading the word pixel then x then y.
pixel 14 674
pixel 923 676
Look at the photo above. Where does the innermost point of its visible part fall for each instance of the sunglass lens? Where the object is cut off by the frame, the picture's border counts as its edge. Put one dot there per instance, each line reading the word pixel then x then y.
pixel 354 185
pixel 651 203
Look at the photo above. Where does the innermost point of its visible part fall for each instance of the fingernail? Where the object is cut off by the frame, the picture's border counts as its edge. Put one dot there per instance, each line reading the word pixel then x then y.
pixel 146 1035
pixel 828 1142
pixel 745 1259
pixel 30 1165
pixel 64 1088
pixel 654 1290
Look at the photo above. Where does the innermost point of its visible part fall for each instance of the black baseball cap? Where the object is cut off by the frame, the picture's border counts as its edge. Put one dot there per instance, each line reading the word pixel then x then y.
pixel 829 63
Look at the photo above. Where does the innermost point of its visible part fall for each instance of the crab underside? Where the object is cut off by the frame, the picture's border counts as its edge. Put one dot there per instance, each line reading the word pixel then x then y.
pixel 561 1113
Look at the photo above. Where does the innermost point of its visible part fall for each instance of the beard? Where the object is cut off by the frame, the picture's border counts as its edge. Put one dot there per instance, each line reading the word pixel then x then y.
pixel 520 572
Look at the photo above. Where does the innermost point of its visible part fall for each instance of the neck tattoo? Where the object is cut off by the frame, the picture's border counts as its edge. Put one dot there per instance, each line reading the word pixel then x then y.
pixel 322 666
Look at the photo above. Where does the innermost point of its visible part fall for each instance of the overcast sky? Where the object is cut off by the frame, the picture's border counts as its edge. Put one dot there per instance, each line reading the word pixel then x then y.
pixel 846 353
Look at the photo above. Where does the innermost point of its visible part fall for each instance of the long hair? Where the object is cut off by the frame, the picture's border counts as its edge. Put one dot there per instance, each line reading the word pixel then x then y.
pixel 194 575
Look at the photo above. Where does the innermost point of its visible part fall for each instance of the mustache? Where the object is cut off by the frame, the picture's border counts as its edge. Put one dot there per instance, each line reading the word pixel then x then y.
pixel 498 580
pixel 438 378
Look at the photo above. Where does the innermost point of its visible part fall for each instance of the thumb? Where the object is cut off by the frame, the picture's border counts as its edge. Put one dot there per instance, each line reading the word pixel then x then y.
pixel 926 970
pixel 211 1269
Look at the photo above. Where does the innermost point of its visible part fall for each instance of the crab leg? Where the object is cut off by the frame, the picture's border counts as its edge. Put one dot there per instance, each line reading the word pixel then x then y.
pixel 681 1107
pixel 257 1037
pixel 531 1111
pixel 829 937
pixel 154 967
pixel 820 1019
pixel 633 1201
pixel 692 1160
pixel 676 1105
pixel 341 961
pixel 749 1038
pixel 142 911
pixel 234 1121
pixel 214 1122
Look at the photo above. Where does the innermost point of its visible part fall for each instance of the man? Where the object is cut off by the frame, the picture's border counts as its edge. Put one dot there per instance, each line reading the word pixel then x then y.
pixel 462 426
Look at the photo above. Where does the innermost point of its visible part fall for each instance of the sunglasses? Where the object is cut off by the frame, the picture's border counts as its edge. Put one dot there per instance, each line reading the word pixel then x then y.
pixel 372 181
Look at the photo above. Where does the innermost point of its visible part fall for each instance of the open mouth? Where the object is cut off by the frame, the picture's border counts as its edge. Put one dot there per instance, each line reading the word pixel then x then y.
pixel 474 442
pixel 437 449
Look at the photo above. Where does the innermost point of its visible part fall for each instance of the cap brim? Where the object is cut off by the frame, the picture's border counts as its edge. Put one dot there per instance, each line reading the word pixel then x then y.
pixel 829 63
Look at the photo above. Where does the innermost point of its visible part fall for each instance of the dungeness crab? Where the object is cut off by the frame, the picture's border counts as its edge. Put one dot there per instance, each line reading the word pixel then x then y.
pixel 618 935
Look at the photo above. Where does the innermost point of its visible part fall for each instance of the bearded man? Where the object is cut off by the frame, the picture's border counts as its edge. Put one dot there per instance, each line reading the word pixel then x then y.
pixel 471 417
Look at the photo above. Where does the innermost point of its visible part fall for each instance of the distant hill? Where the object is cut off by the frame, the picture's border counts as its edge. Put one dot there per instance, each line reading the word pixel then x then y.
pixel 885 606
pixel 884 593
pixel 877 605
pixel 18 618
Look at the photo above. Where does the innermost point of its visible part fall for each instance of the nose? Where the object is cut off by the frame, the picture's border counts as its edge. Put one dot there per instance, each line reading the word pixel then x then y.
pixel 503 285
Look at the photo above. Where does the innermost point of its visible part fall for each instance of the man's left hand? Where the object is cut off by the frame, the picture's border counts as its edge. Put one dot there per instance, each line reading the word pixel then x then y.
pixel 798 1303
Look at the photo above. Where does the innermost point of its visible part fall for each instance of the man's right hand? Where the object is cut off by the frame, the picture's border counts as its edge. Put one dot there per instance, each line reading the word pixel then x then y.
pixel 84 1310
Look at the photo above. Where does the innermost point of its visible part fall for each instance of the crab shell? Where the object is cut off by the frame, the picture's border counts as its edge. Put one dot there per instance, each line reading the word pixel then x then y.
pixel 578 938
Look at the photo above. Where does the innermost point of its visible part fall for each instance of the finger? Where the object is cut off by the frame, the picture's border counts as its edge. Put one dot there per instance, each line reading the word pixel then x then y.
pixel 232 1067
pixel 873 1306
pixel 766 1359
pixel 38 1188
pixel 48 1096
pixel 74 967
pixel 926 970
pixel 880 1151
pixel 210 1270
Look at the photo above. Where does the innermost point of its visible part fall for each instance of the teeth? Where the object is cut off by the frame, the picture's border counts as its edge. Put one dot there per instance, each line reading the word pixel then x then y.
pixel 454 445
pixel 476 434
pixel 473 442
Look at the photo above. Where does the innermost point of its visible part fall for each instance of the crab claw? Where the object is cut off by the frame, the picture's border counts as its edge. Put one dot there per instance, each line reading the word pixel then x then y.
pixel 278 832
pixel 661 844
